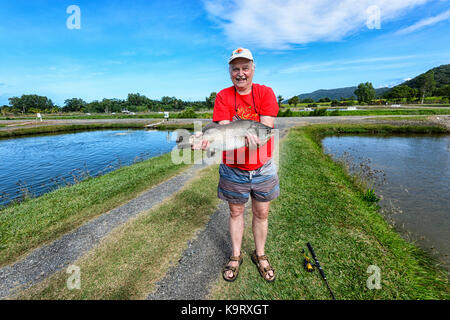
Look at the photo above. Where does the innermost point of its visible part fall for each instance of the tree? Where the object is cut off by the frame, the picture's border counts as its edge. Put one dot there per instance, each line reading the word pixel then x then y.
pixel 31 101
pixel 400 92
pixel 188 113
pixel 211 100
pixel 117 105
pixel 5 109
pixel 443 91
pixel 16 103
pixel 426 84
pixel 365 92
pixel 74 105
pixel 280 99
pixel 94 107
pixel 294 100
pixel 135 99
pixel 106 105
pixel 334 103
pixel 166 100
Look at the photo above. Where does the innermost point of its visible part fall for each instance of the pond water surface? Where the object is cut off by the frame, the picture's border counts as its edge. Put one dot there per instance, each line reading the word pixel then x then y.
pixel 39 164
pixel 416 190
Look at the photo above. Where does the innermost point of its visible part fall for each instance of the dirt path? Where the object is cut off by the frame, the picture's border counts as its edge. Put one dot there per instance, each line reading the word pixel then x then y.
pixel 200 263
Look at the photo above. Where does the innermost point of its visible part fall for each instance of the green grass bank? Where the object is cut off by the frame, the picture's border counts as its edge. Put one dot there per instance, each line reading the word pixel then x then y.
pixel 368 112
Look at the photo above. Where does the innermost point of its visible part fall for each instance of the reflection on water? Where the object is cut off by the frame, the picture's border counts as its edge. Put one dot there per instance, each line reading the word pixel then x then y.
pixel 39 164
pixel 417 186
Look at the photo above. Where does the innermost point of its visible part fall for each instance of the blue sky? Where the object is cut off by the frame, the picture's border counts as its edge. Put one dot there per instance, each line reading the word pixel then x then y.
pixel 180 48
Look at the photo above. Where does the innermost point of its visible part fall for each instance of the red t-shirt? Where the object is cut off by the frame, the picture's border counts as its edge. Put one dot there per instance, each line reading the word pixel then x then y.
pixel 248 107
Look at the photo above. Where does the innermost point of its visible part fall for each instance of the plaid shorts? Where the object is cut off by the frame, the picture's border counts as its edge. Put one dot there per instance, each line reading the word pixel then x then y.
pixel 236 185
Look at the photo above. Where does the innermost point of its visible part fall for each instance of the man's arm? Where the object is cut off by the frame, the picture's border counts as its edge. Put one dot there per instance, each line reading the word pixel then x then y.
pixel 268 121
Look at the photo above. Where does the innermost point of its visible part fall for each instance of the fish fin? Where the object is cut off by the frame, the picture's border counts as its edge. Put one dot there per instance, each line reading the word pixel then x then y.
pixel 210 153
pixel 210 126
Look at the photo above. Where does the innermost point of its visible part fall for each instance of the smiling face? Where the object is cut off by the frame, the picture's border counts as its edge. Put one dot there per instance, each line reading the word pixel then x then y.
pixel 241 74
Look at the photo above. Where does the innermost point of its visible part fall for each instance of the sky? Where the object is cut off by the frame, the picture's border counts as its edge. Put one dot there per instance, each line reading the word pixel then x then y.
pixel 181 48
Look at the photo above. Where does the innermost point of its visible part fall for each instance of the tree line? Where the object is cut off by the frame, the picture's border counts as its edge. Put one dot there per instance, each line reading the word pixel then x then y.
pixel 135 102
pixel 365 93
pixel 425 87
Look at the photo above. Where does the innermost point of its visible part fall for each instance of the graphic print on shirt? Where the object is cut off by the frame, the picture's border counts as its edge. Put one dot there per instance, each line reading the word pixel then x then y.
pixel 246 113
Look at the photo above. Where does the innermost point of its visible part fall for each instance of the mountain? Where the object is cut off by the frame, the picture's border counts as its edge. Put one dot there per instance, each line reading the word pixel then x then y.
pixel 337 93
pixel 441 76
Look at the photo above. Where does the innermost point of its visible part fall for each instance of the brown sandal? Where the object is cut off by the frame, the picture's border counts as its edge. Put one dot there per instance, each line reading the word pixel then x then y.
pixel 263 271
pixel 235 270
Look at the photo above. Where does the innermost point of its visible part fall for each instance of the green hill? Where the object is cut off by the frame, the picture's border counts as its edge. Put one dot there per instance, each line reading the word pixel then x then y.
pixel 441 76
pixel 337 93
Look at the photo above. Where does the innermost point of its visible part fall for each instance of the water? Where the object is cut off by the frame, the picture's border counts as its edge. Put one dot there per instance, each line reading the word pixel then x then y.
pixel 40 164
pixel 416 193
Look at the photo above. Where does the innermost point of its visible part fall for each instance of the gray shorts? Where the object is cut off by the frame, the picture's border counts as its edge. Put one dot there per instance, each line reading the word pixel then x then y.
pixel 236 185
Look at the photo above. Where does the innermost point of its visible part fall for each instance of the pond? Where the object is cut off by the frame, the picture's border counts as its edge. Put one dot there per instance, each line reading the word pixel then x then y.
pixel 413 179
pixel 39 164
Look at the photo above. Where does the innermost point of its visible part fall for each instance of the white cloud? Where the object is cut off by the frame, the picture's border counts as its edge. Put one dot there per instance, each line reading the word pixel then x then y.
pixel 425 22
pixel 277 24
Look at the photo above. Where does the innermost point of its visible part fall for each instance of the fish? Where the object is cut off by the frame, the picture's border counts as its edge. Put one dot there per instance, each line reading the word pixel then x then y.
pixel 228 136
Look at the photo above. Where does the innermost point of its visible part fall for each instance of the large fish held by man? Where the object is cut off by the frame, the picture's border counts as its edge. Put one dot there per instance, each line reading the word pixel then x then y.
pixel 228 136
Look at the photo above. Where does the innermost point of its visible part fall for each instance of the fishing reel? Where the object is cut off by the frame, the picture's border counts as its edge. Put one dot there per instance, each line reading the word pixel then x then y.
pixel 307 264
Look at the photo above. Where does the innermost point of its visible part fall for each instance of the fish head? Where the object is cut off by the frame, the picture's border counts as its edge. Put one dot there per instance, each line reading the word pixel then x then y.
pixel 183 140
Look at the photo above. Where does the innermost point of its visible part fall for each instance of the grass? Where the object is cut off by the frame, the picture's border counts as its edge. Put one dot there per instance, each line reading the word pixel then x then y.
pixel 129 262
pixel 173 115
pixel 35 221
pixel 410 118
pixel 374 112
pixel 319 203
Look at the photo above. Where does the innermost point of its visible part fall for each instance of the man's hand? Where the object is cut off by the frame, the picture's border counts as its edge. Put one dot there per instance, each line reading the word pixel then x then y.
pixel 199 143
pixel 252 141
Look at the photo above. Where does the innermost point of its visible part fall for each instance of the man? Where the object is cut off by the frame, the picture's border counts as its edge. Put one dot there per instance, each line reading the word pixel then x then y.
pixel 255 175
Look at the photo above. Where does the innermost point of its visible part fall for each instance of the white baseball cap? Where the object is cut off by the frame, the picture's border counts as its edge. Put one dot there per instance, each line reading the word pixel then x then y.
pixel 241 53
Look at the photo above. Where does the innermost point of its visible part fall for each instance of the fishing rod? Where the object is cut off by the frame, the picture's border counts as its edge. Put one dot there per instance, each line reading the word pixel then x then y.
pixel 322 273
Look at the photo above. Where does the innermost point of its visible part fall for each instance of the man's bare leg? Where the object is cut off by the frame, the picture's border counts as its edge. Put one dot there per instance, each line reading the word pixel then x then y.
pixel 260 226
pixel 236 232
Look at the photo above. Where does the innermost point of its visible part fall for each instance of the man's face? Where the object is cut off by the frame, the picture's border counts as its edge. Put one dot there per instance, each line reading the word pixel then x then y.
pixel 241 73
